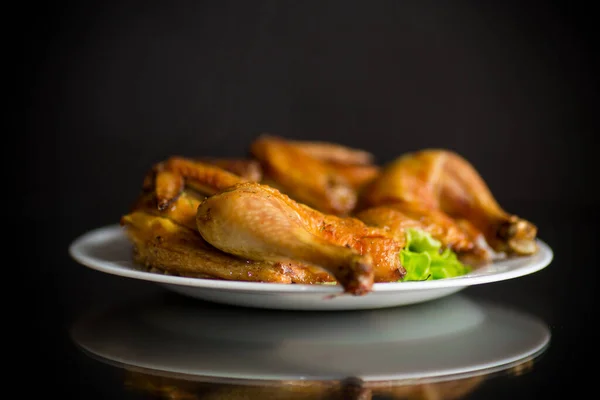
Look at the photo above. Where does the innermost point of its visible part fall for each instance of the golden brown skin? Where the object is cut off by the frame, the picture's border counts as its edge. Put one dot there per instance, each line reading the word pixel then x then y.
pixel 162 227
pixel 392 220
pixel 450 233
pixel 431 182
pixel 182 210
pixel 303 177
pixel 333 152
pixel 174 188
pixel 203 177
pixel 169 186
pixel 163 246
pixel 247 169
pixel 258 222
pixel 357 176
pixel 440 225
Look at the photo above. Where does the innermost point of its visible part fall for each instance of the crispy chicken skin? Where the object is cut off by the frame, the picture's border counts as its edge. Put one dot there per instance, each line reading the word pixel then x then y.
pixel 357 176
pixel 166 239
pixel 258 222
pixel 163 246
pixel 440 225
pixel 175 187
pixel 314 212
pixel 328 187
pixel 431 183
pixel 247 169
pixel 398 217
pixel 172 175
pixel 333 152
pixel 391 218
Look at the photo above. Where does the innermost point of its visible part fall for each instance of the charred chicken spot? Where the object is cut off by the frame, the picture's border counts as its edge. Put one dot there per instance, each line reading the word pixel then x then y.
pixel 159 239
pixel 285 268
pixel 506 230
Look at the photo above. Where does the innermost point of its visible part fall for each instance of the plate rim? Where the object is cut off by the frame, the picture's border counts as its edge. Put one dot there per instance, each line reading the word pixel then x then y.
pixel 545 254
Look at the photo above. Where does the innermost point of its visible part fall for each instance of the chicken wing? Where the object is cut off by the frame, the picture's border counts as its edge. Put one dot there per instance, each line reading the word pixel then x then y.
pixel 312 178
pixel 202 177
pixel 258 222
pixel 357 176
pixel 433 184
pixel 247 169
pixel 356 166
pixel 174 188
pixel 333 152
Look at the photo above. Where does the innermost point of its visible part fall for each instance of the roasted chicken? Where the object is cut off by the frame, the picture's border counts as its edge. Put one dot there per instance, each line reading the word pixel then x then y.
pixel 324 176
pixel 441 187
pixel 162 227
pixel 163 246
pixel 315 212
pixel 258 222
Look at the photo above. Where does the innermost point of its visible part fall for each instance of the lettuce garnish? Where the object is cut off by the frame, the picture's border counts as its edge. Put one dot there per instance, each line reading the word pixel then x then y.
pixel 424 258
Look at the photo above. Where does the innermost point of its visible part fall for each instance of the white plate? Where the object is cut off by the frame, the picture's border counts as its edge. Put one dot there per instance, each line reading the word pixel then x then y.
pixel 108 250
pixel 443 339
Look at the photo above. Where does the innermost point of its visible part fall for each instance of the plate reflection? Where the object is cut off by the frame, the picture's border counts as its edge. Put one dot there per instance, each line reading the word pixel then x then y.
pixel 183 348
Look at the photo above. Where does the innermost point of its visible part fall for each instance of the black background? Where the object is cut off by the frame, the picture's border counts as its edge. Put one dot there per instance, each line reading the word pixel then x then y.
pixel 113 87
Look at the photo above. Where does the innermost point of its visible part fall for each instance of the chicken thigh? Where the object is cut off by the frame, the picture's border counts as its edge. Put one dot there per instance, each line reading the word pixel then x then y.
pixel 440 185
pixel 258 222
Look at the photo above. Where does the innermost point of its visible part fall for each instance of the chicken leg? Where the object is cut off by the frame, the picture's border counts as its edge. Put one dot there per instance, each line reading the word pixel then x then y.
pixel 431 182
pixel 258 222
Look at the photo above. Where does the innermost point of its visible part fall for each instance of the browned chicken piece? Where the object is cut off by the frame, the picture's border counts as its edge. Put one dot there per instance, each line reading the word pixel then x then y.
pixel 175 187
pixel 182 210
pixel 334 153
pixel 304 178
pixel 166 238
pixel 399 216
pixel 163 246
pixel 431 182
pixel 357 176
pixel 258 222
pixel 354 165
pixel 202 177
pixel 247 169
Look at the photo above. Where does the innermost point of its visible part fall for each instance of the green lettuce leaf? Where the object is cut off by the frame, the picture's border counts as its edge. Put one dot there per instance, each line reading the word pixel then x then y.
pixel 424 259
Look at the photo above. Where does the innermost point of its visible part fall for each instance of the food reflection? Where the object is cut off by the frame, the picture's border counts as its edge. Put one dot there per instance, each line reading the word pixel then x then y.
pixel 349 389
pixel 178 348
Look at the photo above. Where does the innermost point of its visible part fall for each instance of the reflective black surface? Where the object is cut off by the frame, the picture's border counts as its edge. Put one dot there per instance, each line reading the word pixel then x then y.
pixel 112 87
pixel 554 296
pixel 432 341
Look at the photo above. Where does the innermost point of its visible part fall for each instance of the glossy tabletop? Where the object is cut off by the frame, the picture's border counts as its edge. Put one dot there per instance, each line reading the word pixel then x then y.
pixel 121 338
